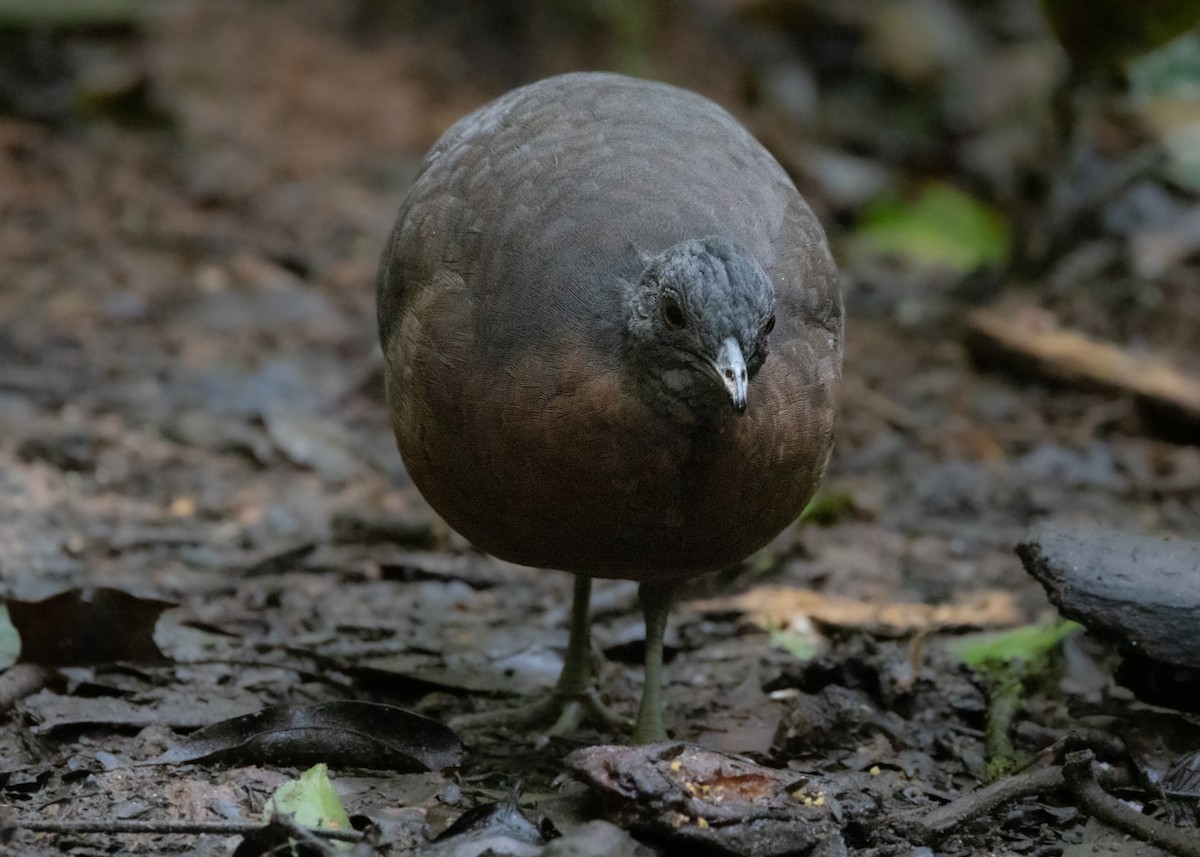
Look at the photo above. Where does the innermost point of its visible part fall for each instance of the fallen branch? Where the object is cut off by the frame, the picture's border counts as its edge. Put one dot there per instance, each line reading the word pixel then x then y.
pixel 1029 783
pixel 1030 344
pixel 1080 775
pixel 932 825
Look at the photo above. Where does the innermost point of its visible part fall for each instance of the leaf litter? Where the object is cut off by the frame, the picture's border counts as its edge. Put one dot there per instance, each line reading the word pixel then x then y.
pixel 187 349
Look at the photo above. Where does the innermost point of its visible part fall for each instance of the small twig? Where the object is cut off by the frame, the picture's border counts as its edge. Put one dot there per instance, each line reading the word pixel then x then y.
pixel 1040 781
pixel 217 828
pixel 1080 775
pixel 981 802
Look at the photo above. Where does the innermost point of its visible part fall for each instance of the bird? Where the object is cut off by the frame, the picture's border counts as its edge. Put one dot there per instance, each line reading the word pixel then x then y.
pixel 612 335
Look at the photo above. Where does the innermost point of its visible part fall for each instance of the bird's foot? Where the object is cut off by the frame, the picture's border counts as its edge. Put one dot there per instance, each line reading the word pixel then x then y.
pixel 567 711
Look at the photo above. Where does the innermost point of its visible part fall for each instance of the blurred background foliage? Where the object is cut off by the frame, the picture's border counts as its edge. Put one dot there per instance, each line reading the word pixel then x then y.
pixel 950 147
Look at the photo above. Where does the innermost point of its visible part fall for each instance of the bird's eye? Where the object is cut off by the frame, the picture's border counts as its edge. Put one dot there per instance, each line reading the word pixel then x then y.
pixel 673 313
pixel 769 326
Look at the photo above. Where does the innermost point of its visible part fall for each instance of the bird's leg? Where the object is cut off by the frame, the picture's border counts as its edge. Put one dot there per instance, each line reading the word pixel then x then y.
pixel 574 695
pixel 576 675
pixel 575 691
pixel 656 604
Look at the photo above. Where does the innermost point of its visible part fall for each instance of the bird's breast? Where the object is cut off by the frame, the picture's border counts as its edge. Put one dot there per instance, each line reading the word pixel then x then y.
pixel 557 462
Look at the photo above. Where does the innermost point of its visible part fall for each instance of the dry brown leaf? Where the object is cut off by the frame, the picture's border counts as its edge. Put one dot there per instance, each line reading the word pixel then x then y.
pixel 782 605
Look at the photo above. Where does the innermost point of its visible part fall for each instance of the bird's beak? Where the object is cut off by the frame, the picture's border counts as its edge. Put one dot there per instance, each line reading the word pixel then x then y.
pixel 731 368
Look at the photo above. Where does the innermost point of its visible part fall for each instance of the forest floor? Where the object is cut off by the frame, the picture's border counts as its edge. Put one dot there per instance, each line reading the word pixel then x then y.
pixel 191 412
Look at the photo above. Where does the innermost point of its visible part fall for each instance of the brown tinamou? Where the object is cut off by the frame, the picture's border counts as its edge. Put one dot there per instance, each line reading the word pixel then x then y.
pixel 613 338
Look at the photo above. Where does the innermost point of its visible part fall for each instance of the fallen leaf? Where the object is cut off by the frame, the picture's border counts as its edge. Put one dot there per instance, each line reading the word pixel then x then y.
pixel 309 800
pixel 1020 644
pixel 782 606
pixel 344 733
pixel 87 626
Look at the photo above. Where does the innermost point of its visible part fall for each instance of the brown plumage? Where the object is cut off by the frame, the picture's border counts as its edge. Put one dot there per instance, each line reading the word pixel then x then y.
pixel 588 281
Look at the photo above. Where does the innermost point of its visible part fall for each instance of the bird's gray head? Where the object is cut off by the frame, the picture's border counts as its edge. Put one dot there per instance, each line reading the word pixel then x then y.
pixel 699 319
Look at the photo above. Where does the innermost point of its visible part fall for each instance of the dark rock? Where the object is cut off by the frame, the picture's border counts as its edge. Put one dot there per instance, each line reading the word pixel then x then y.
pixel 1143 590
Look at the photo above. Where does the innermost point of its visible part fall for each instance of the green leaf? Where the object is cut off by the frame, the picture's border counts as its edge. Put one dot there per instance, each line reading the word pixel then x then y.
pixel 311 801
pixel 1026 643
pixel 942 228
pixel 802 647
